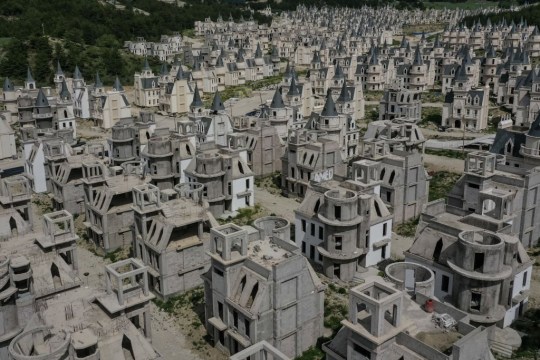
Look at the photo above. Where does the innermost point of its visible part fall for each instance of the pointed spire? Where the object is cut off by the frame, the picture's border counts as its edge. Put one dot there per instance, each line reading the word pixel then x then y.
pixel 219 61
pixel 146 66
pixel 97 81
pixel 344 95
pixel 197 102
pixel 77 73
pixel 418 56
pixel 277 100
pixel 217 104
pixel 437 43
pixel 29 77
pixel 339 72
pixel 8 85
pixel 41 100
pixel 164 69
pixel 64 92
pixel 258 52
pixel 117 85
pixel 293 89
pixel 59 69
pixel 329 106
pixel 180 75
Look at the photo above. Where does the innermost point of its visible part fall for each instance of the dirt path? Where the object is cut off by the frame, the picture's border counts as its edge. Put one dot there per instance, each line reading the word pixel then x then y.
pixel 276 204
pixel 443 163
pixel 167 338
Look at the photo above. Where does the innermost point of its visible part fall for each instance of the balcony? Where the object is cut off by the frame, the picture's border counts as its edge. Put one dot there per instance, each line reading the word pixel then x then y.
pixel 527 151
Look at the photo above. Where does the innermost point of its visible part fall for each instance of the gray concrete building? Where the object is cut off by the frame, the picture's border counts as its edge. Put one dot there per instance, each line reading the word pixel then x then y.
pixel 108 203
pixel 171 236
pixel 259 287
pixel 167 156
pixel 129 137
pixel 503 185
pixel 398 146
pixel 15 212
pixel 384 323
pixel 399 103
pixel 65 176
pixel 309 156
pixel 345 226
pixel 263 145
pixel 228 182
pixel 479 270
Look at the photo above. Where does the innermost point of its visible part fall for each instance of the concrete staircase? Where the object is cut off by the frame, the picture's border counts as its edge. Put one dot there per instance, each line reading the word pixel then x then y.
pixel 504 342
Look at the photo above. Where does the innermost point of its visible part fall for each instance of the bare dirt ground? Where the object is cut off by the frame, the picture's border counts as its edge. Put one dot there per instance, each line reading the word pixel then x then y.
pixel 276 204
pixel 443 163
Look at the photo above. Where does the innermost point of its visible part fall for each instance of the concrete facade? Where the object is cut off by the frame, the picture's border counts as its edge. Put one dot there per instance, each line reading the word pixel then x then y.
pixel 398 146
pixel 345 227
pixel 172 236
pixel 257 289
pixel 384 323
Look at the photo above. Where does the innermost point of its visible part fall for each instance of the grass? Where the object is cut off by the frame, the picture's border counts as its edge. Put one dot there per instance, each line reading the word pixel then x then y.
pixel 431 115
pixel 408 228
pixel 119 254
pixel 418 28
pixel 373 95
pixel 530 325
pixel 454 154
pixel 441 183
pixel 245 216
pixel 242 91
pixel 372 113
pixel 432 96
pixel 190 299
pixel 271 183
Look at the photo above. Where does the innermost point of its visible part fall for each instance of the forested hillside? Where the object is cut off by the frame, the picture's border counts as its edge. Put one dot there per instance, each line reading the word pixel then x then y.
pixel 530 14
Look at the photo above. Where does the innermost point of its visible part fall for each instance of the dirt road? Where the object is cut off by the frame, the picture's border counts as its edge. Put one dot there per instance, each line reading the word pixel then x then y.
pixel 276 204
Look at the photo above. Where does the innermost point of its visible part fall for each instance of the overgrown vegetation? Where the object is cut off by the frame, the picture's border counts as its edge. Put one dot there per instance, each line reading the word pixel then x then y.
pixel 441 183
pixel 407 228
pixel 245 216
pixel 43 203
pixel 372 113
pixel 431 115
pixel 122 253
pixel 454 154
pixel 529 324
pixel 271 183
pixel 372 95
pixel 242 91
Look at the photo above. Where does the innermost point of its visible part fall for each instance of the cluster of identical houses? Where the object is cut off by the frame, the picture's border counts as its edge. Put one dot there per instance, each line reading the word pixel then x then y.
pixel 161 190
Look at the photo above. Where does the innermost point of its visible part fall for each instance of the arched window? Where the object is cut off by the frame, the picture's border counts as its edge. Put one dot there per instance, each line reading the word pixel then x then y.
pixel 383 172
pixel 392 176
pixel 438 249
pixel 317 205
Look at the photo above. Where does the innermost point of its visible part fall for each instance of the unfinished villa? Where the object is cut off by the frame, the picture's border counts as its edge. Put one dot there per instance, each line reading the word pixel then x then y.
pixel 171 236
pixel 257 289
pixel 385 323
pixel 345 227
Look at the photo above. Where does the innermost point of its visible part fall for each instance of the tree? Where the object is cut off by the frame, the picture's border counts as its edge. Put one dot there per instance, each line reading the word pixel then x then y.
pixel 42 63
pixel 14 62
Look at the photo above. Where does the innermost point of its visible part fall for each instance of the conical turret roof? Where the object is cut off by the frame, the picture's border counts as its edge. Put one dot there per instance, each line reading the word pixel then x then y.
pixel 197 101
pixel 77 73
pixel 344 95
pixel 41 100
pixel 277 100
pixel 146 66
pixel 329 108
pixel 117 85
pixel 217 104
pixel 97 81
pixel 8 85
pixel 29 77
pixel 59 69
pixel 64 92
